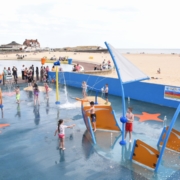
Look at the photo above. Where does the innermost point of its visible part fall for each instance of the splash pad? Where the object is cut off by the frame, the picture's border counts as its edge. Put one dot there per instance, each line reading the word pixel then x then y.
pixel 38 125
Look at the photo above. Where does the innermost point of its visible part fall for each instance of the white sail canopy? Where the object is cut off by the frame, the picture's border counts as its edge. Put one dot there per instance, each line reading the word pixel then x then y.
pixel 128 71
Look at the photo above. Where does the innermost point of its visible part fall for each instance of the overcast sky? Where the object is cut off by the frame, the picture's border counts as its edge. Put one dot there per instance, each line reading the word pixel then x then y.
pixel 124 24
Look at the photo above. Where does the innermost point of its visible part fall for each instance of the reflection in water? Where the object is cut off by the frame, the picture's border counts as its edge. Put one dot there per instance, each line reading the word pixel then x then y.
pixel 62 157
pixel 2 113
pixel 88 148
pixel 18 111
pixel 30 94
pixel 71 137
pixel 127 152
pixel 47 107
pixel 36 115
pixel 58 113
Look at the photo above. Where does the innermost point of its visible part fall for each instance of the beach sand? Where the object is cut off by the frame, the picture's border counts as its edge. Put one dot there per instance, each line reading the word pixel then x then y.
pixel 148 63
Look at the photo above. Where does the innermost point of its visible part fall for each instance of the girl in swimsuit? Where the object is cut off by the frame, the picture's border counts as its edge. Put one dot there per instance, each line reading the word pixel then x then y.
pixel 61 133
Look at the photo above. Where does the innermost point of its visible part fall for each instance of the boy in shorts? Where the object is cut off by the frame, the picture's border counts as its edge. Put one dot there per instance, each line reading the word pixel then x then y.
pixel 92 115
pixel 129 124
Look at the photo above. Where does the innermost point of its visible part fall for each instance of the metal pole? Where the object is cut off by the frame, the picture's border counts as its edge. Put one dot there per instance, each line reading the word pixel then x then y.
pixel 123 118
pixel 57 87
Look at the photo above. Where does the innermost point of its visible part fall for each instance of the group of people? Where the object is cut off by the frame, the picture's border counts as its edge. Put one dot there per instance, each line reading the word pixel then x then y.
pixel 63 58
pixel 28 74
pixel 104 90
pixel 76 67
pixel 8 73
pixel 35 92
pixel 92 110
pixel 104 65
pixel 54 69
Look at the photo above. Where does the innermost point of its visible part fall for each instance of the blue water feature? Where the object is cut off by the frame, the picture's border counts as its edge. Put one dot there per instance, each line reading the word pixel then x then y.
pixel 28 147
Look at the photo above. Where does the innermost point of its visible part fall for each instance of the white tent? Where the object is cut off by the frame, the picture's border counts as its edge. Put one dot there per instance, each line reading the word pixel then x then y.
pixel 128 71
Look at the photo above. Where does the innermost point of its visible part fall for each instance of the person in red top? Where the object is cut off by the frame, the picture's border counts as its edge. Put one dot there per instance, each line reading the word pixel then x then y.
pixel 78 67
pixel 129 124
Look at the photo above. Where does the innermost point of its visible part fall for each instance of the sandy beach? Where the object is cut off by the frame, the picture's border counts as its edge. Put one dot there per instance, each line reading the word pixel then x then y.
pixel 148 63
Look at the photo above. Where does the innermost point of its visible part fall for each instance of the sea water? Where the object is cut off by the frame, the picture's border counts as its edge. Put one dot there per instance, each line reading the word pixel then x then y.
pixel 149 51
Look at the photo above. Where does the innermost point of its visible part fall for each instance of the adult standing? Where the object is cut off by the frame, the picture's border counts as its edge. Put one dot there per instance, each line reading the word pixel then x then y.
pixel 29 77
pixel 14 70
pixel 32 67
pixel 37 74
pixel 22 71
pixel 47 70
pixel 4 75
pixel 9 71
pixel 41 73
pixel 25 73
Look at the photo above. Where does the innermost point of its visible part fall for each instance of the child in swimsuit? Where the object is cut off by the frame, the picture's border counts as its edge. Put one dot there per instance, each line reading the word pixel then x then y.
pixel 36 95
pixel 61 133
pixel 84 89
pixel 17 94
pixel 92 115
pixel 129 124
pixel 46 90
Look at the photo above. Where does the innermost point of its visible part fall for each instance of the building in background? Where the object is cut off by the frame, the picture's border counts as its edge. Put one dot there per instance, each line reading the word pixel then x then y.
pixel 31 43
pixel 13 46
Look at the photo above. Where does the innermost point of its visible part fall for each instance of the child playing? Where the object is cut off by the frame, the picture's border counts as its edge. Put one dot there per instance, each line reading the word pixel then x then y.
pixel 61 133
pixel 36 95
pixel 46 90
pixel 17 90
pixel 106 93
pixel 93 115
pixel 129 124
pixel 84 89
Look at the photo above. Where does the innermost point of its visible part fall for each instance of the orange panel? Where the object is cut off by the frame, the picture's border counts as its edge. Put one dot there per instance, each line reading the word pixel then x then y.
pixel 173 141
pixel 43 60
pixel 145 154
pixel 104 117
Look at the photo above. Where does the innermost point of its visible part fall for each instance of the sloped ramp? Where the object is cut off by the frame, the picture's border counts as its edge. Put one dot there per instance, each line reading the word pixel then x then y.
pixel 145 154
pixel 173 141
pixel 104 118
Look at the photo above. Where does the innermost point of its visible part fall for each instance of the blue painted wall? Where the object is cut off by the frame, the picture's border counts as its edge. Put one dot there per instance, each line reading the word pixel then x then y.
pixel 147 92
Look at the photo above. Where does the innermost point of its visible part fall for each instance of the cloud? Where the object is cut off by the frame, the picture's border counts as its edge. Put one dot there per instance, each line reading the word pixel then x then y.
pixel 122 9
pixel 64 23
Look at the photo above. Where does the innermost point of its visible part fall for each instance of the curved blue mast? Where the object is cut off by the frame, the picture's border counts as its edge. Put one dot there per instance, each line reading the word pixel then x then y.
pixel 123 118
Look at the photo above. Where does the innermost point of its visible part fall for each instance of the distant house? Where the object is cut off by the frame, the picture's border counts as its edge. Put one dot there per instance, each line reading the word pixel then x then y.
pixel 31 43
pixel 13 46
